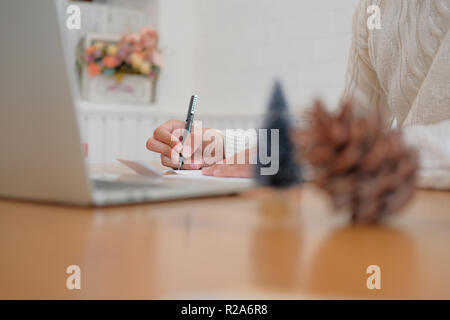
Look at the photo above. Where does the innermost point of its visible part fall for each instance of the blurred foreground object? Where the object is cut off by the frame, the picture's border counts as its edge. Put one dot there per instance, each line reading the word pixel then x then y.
pixel 277 118
pixel 366 170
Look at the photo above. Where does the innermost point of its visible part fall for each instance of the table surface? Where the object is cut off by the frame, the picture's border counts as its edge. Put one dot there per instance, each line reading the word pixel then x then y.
pixel 261 244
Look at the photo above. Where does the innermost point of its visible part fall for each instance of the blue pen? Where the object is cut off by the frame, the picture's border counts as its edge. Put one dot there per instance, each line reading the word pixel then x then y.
pixel 189 121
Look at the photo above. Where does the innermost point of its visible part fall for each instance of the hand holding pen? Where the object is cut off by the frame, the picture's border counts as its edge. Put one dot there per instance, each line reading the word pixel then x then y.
pixel 178 152
pixel 188 127
pixel 167 141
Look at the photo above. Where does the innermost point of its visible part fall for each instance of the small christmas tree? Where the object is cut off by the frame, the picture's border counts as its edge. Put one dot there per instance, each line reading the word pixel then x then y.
pixel 277 117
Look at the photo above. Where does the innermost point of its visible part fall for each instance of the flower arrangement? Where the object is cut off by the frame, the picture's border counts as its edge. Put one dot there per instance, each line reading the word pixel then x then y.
pixel 122 68
pixel 135 53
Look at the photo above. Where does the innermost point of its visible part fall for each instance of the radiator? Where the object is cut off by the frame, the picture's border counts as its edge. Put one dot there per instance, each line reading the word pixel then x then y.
pixel 120 131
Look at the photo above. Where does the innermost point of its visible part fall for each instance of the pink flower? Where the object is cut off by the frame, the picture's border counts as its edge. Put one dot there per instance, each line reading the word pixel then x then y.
pixel 97 54
pixel 126 38
pixel 149 43
pixel 122 54
pixel 148 30
pixel 137 47
pixel 135 38
pixel 157 58
pixel 149 38
pixel 89 50
pixel 93 69
pixel 109 62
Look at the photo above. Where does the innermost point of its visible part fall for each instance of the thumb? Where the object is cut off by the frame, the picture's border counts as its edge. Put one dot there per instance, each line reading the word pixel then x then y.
pixel 193 143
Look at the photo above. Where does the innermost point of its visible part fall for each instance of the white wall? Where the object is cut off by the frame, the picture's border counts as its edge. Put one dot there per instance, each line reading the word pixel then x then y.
pixel 229 52
pixel 177 41
pixel 238 47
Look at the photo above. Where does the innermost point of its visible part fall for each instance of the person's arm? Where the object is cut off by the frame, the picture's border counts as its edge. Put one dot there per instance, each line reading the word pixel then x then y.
pixel 237 141
pixel 239 147
pixel 362 84
pixel 230 149
pixel 433 144
pixel 361 80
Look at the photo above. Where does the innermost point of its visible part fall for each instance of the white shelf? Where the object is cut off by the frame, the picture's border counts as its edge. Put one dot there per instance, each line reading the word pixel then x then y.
pixel 118 109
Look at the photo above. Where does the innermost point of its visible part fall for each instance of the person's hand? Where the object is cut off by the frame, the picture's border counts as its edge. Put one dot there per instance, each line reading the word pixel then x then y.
pixel 229 170
pixel 237 166
pixel 167 138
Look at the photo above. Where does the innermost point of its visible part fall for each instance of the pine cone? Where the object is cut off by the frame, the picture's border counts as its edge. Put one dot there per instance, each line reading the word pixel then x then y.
pixel 366 170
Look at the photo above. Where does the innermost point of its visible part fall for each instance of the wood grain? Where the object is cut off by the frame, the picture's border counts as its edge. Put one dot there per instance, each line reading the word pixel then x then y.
pixel 260 244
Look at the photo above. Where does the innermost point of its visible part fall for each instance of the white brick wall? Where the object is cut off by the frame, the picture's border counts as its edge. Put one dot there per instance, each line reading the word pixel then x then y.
pixel 229 52
pixel 242 45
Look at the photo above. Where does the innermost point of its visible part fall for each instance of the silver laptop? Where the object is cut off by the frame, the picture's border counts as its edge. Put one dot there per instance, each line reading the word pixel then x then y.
pixel 40 147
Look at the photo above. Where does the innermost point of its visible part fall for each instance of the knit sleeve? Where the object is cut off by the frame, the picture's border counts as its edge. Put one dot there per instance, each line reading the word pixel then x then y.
pixel 236 141
pixel 433 145
pixel 362 83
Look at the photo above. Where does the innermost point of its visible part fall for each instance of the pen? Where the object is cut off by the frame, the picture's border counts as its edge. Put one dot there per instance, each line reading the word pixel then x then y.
pixel 189 121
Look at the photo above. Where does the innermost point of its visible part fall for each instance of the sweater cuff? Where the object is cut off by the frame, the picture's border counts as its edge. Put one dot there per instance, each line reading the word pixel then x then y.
pixel 434 152
pixel 238 140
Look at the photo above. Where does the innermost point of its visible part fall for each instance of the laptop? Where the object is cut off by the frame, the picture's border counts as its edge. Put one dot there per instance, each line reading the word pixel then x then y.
pixel 41 157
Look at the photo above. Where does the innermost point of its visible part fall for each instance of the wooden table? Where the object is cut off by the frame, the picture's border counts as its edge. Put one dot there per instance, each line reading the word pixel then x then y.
pixel 257 245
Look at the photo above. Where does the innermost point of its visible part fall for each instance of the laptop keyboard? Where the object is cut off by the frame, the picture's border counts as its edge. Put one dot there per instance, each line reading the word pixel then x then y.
pixel 111 192
pixel 127 185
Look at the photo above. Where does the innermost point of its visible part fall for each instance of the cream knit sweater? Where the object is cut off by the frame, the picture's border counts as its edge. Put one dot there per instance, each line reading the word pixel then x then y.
pixel 403 69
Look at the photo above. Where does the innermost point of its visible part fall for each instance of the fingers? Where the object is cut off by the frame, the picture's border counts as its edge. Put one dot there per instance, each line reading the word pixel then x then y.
pixel 236 166
pixel 172 125
pixel 166 143
pixel 229 170
pixel 164 149
pixel 166 161
pixel 193 143
pixel 169 133
pixel 167 139
pixel 209 171
pixel 247 156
